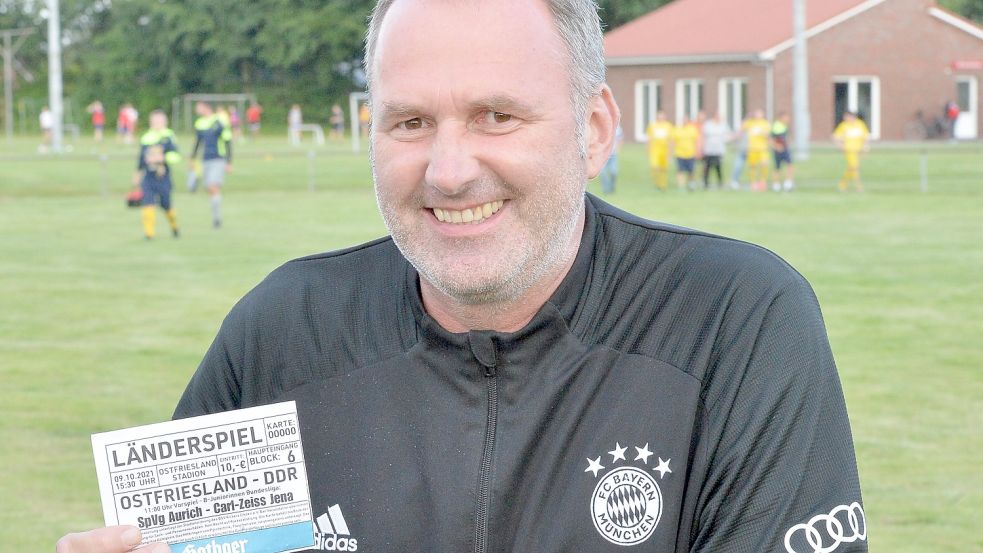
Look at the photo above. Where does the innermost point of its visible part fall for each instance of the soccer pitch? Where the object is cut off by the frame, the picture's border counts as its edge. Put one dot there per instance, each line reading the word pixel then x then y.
pixel 100 329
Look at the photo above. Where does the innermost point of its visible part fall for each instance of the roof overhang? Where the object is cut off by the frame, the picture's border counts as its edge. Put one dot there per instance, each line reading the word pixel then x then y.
pixel 956 22
pixel 682 59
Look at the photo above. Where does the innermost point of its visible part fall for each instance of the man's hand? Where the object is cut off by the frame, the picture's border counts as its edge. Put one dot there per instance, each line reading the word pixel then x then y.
pixel 114 539
pixel 228 167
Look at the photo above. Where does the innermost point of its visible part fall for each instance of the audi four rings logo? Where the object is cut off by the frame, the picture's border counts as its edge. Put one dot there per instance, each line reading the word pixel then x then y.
pixel 826 537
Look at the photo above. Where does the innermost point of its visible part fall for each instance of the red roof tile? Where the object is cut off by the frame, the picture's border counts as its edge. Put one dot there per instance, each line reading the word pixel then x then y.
pixel 716 27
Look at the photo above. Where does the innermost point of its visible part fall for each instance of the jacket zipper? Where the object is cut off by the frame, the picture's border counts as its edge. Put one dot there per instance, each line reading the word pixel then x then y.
pixel 484 474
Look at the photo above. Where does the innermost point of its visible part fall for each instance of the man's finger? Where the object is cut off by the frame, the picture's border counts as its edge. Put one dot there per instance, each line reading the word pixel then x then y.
pixel 113 539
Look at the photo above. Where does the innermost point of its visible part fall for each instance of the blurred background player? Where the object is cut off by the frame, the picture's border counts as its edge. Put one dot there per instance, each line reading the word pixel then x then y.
pixel 851 137
pixel 337 121
pixel 609 173
pixel 158 151
pixel 295 118
pixel 740 155
pixel 214 137
pixel 757 129
pixel 659 134
pixel 98 114
pixel 715 135
pixel 685 145
pixel 132 116
pixel 121 124
pixel 782 155
pixel 364 118
pixel 254 116
pixel 235 121
pixel 47 121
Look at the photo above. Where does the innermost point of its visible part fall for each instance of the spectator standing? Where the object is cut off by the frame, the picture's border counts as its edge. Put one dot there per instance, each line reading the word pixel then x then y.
pixel 716 133
pixel 98 116
pixel 851 136
pixel 758 131
pixel 609 173
pixel 254 115
pixel 659 135
pixel 295 118
pixel 686 145
pixel 782 155
pixel 364 119
pixel 47 121
pixel 337 121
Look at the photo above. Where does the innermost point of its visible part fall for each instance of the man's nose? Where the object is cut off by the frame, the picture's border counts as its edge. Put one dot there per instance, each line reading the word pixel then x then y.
pixel 452 163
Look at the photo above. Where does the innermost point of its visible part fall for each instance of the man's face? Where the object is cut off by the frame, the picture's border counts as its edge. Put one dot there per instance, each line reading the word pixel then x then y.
pixel 202 109
pixel 478 172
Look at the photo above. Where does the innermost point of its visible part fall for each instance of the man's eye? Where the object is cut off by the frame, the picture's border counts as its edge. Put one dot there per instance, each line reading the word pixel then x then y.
pixel 499 117
pixel 414 124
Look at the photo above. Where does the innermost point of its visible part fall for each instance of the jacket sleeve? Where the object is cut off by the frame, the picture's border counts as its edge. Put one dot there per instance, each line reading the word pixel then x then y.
pixel 781 472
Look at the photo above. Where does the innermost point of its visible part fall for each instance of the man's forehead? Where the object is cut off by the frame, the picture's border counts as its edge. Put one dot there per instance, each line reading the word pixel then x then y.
pixel 480 27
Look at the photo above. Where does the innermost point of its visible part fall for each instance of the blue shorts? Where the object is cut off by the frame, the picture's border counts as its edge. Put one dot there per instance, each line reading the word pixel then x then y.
pixel 783 157
pixel 685 164
pixel 156 192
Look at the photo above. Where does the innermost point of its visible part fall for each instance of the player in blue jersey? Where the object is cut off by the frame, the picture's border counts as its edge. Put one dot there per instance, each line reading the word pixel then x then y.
pixel 158 151
pixel 214 137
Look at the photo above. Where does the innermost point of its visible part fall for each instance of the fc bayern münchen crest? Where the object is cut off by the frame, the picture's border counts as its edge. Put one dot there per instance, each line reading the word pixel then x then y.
pixel 627 502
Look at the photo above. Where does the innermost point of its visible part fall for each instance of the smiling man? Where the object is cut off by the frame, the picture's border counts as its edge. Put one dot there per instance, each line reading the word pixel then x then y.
pixel 521 367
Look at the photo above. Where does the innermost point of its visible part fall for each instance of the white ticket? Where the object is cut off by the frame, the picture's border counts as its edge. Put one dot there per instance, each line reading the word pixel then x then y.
pixel 232 482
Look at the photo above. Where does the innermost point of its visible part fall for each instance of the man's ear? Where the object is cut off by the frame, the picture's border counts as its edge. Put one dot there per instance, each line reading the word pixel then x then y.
pixel 603 117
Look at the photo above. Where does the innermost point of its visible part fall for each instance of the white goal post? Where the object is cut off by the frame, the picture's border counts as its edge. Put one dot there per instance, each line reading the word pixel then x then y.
pixel 184 106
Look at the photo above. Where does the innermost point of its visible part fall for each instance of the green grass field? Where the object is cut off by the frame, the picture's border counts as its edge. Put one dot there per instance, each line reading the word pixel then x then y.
pixel 100 330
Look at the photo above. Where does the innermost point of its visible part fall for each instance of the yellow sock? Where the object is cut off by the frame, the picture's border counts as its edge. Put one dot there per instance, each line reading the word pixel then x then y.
pixel 662 180
pixel 148 217
pixel 172 218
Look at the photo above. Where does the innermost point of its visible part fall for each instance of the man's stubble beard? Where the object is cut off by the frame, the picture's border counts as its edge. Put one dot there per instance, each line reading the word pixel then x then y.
pixel 549 220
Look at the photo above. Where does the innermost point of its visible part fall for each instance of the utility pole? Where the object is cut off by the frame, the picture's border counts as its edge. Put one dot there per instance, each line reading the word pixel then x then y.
pixel 800 85
pixel 9 49
pixel 54 75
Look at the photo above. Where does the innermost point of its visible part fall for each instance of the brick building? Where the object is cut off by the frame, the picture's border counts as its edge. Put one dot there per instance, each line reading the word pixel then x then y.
pixel 886 59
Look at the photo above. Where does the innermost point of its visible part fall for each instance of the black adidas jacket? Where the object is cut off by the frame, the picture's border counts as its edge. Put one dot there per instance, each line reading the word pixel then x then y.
pixel 677 393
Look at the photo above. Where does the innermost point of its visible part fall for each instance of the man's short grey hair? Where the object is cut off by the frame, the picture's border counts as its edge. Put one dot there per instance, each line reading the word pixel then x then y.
pixel 578 25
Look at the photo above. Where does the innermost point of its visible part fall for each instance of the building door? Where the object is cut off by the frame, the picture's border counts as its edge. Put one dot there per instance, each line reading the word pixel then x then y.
pixel 966 97
pixel 861 95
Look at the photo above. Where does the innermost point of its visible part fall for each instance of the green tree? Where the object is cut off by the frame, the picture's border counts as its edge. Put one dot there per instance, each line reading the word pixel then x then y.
pixel 615 13
pixel 149 51
pixel 970 9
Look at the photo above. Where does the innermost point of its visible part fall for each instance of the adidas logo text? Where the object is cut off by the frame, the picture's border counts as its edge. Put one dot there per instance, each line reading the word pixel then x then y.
pixel 332 532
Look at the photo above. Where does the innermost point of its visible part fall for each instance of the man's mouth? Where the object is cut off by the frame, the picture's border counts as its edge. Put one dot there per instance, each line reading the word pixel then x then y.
pixel 471 216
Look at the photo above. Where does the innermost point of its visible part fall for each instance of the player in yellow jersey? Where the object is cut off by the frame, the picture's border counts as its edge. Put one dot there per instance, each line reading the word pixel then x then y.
pixel 686 143
pixel 757 129
pixel 851 136
pixel 659 134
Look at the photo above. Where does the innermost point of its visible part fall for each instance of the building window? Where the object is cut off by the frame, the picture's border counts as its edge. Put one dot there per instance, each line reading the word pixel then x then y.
pixel 648 102
pixel 732 101
pixel 861 95
pixel 689 99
